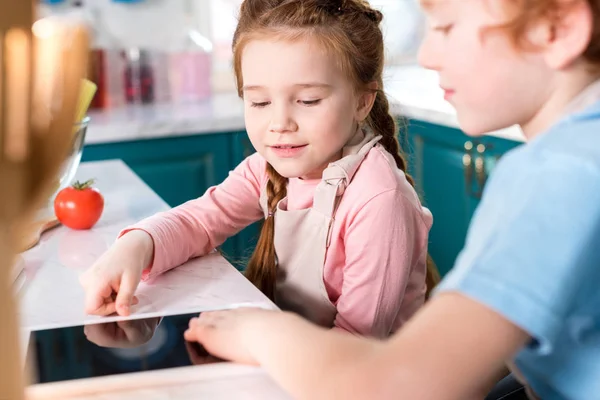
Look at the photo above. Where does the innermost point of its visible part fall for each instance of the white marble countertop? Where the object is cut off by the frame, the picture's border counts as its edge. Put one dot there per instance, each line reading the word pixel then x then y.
pixel 223 112
pixel 413 92
pixel 52 296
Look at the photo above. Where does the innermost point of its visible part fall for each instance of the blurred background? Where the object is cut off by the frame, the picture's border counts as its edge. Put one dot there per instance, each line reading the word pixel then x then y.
pixel 178 40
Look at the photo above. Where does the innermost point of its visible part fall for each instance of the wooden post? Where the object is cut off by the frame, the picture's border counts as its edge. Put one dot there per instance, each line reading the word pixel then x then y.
pixel 33 145
pixel 11 371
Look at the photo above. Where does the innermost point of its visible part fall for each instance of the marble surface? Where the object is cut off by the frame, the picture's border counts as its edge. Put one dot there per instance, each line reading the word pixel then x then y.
pixel 223 112
pixel 52 296
pixel 413 92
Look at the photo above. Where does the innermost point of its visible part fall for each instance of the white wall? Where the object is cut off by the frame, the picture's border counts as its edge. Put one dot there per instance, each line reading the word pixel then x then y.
pixel 157 24
pixel 161 24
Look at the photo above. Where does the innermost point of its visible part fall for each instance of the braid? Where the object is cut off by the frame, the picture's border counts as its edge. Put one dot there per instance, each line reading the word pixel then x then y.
pixel 262 267
pixel 384 124
pixel 276 188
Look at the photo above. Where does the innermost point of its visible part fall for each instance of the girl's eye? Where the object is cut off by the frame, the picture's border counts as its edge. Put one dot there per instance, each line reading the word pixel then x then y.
pixel 260 105
pixel 310 102
pixel 444 29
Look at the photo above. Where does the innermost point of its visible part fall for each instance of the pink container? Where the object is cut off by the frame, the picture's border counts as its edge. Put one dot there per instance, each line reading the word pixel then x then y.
pixel 190 76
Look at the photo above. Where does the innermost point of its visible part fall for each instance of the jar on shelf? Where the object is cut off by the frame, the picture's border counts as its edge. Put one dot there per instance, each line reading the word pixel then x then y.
pixel 138 76
pixel 190 63
pixel 105 64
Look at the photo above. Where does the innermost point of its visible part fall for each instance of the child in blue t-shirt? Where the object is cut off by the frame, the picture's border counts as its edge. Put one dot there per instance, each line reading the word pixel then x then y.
pixel 525 290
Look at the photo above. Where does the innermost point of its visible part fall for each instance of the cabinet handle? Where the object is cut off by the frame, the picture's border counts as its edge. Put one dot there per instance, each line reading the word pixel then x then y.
pixel 467 161
pixel 480 168
pixel 480 174
pixel 475 166
pixel 468 171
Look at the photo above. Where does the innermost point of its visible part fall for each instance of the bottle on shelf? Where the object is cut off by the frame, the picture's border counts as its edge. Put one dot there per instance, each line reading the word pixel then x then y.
pixel 138 76
pixel 190 63
pixel 105 64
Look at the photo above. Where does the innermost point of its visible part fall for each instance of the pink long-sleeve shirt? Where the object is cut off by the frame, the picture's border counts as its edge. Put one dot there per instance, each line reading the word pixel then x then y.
pixel 375 267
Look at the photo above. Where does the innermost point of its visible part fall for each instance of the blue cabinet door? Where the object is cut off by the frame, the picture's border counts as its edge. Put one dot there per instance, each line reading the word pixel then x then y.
pixel 177 169
pixel 450 171
pixel 245 241
pixel 438 170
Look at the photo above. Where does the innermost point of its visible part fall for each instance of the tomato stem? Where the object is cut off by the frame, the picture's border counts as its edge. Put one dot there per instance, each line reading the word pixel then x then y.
pixel 83 185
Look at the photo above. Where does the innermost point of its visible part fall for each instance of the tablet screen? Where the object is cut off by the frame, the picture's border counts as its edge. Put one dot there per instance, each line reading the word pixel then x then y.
pixel 113 348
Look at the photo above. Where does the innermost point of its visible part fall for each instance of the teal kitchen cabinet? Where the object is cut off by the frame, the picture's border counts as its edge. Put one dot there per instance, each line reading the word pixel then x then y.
pixel 450 170
pixel 245 240
pixel 179 169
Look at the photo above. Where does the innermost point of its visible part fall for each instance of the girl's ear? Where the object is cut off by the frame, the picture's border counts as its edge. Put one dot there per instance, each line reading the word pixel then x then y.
pixel 366 98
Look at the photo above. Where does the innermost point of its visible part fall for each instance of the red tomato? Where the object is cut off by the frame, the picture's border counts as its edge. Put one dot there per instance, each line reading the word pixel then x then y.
pixel 79 206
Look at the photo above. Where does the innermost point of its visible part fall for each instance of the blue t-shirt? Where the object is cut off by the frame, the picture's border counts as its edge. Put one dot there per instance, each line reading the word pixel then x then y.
pixel 532 254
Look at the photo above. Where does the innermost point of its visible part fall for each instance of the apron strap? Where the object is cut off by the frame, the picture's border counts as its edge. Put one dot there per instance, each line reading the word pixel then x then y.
pixel 338 175
pixel 336 178
pixel 329 189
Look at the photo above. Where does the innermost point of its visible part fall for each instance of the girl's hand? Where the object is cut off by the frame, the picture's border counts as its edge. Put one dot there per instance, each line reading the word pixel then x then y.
pixel 227 334
pixel 111 282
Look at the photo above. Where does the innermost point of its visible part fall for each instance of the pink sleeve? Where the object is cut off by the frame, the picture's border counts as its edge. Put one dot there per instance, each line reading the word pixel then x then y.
pixel 198 226
pixel 381 247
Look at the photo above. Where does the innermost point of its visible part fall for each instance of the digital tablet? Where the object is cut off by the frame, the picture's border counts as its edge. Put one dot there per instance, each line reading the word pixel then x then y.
pixel 112 349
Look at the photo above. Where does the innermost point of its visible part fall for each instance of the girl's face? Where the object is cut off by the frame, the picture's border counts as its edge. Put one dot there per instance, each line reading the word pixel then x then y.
pixel 490 82
pixel 300 110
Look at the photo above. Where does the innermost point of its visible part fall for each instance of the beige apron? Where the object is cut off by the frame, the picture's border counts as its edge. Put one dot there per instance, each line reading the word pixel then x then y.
pixel 303 236
pixel 585 99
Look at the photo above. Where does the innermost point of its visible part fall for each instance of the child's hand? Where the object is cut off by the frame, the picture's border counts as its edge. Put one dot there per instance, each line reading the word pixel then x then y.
pixel 198 354
pixel 225 334
pixel 111 282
